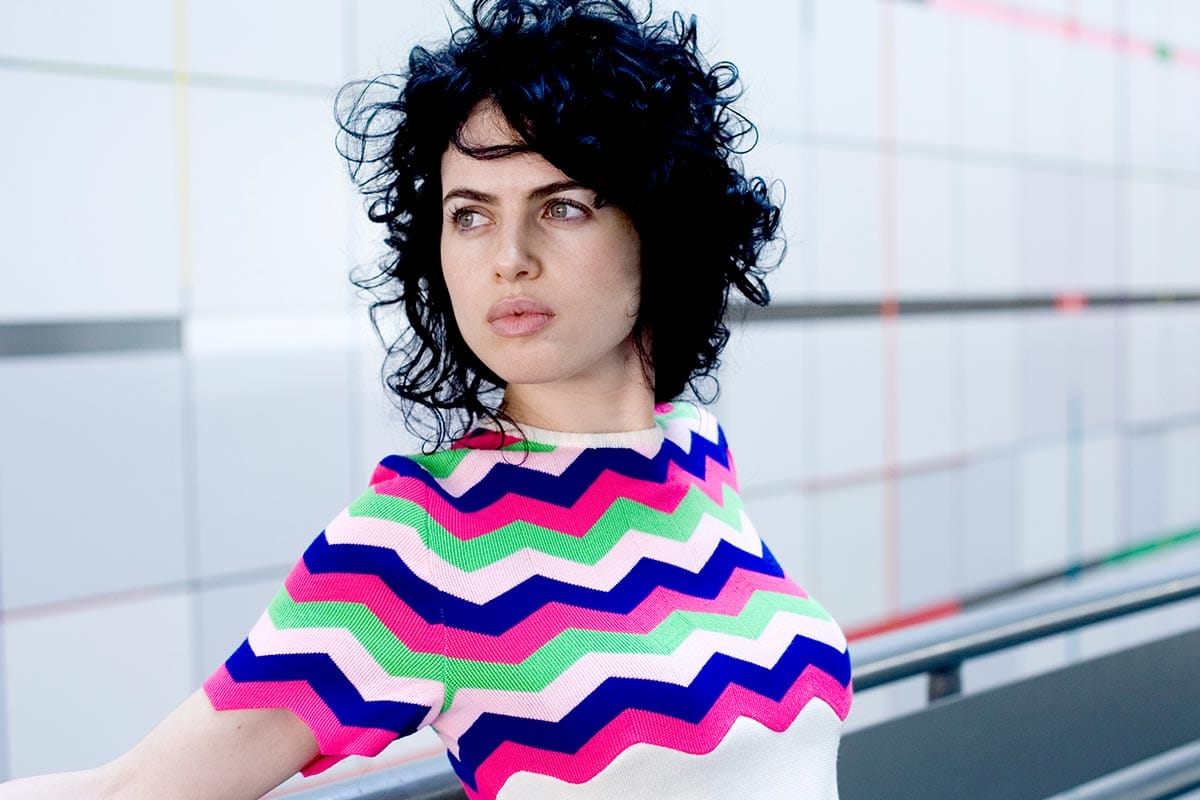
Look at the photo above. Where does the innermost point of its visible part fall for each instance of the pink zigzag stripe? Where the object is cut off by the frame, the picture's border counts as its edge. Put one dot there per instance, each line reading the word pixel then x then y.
pixel 335 740
pixel 633 726
pixel 575 521
pixel 517 643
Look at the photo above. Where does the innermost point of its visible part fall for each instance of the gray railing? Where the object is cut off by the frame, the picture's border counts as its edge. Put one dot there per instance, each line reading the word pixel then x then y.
pixel 1166 775
pixel 938 648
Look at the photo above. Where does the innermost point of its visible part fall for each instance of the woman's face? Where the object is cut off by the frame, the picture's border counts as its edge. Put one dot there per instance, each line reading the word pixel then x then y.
pixel 545 285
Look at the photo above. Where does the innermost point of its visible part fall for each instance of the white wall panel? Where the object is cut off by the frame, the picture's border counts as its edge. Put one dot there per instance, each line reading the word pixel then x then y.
pixel 1092 81
pixel 272 39
pixel 930 386
pixel 1150 19
pixel 851 554
pixel 90 218
pixel 1042 520
pixel 845 67
pixel 1181 245
pixel 91 475
pixel 1102 15
pixel 849 397
pixel 1181 495
pixel 923 229
pixel 847 228
pixel 272 456
pixel 384 31
pixel 987 84
pixel 1185 24
pixel 989 528
pixel 268 195
pixel 82 688
pixel 1043 107
pixel 991 380
pixel 1183 144
pixel 1148 481
pixel 1043 250
pixel 988 233
pixel 1183 330
pixel 1092 366
pixel 1047 390
pixel 923 73
pixel 764 403
pixel 1147 356
pixel 1148 246
pixel 930 550
pixel 1149 112
pixel 127 33
pixel 1100 497
pixel 1093 229
pixel 773 60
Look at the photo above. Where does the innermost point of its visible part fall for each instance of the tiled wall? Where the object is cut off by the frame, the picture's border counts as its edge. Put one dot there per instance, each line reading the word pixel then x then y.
pixel 175 161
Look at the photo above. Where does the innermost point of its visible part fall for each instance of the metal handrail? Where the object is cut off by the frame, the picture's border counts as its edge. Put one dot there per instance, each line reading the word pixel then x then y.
pixel 426 779
pixel 940 647
pixel 1166 775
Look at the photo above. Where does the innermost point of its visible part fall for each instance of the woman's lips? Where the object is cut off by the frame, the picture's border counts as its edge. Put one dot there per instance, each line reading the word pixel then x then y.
pixel 520 324
pixel 518 316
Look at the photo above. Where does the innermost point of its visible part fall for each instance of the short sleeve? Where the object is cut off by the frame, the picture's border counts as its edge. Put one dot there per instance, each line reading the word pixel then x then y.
pixel 352 643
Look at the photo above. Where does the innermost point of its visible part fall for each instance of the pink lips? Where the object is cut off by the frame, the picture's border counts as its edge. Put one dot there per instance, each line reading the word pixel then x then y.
pixel 518 316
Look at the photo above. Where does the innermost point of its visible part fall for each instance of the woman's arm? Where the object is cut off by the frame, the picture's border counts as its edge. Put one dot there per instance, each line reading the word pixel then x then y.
pixel 196 753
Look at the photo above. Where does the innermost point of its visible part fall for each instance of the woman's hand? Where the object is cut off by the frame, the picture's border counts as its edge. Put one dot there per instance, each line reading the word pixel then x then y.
pixel 196 753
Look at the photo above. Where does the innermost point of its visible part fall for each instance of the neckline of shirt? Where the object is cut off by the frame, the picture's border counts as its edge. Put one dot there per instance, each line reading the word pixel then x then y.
pixel 648 437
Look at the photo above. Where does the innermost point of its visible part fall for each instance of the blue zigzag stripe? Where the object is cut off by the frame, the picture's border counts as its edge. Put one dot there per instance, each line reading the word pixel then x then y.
pixel 503 612
pixel 564 490
pixel 323 675
pixel 689 703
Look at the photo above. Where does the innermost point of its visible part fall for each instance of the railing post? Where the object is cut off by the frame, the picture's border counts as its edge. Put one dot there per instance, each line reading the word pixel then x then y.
pixel 945 681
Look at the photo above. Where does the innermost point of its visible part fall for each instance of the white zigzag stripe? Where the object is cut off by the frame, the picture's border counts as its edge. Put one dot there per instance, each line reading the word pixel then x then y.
pixel 679 667
pixel 355 662
pixel 489 582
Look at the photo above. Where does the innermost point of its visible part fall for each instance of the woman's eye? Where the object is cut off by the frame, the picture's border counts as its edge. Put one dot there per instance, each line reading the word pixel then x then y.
pixel 465 219
pixel 563 210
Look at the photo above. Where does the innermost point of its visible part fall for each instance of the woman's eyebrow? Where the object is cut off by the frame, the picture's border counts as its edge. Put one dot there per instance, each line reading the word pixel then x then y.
pixel 555 188
pixel 535 194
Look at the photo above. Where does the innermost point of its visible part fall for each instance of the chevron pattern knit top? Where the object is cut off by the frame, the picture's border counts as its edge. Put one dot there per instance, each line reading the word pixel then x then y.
pixel 576 615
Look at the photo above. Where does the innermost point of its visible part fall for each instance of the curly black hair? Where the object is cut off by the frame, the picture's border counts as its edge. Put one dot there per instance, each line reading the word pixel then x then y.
pixel 626 107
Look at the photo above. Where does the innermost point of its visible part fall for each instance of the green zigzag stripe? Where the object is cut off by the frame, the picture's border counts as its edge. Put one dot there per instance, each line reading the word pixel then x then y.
pixel 547 662
pixel 443 463
pixel 681 411
pixel 623 515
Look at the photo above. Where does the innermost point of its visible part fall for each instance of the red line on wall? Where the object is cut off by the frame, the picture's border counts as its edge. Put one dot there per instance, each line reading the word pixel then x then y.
pixel 1068 27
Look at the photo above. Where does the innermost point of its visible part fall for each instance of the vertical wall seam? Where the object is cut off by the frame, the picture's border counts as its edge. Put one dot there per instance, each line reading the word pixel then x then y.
pixel 187 380
pixel 889 318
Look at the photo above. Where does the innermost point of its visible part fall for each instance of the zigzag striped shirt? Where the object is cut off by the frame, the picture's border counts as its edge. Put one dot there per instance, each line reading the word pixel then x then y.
pixel 576 615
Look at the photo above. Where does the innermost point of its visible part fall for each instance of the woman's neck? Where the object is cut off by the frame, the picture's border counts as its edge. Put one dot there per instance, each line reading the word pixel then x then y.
pixel 629 407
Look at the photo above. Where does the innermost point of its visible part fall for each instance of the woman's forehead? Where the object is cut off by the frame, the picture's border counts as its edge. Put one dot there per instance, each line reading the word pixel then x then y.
pixel 518 171
pixel 486 126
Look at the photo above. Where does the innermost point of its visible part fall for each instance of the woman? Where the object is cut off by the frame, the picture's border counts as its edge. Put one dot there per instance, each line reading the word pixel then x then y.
pixel 570 593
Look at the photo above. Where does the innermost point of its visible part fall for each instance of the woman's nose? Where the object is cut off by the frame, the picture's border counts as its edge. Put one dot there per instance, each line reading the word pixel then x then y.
pixel 516 252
